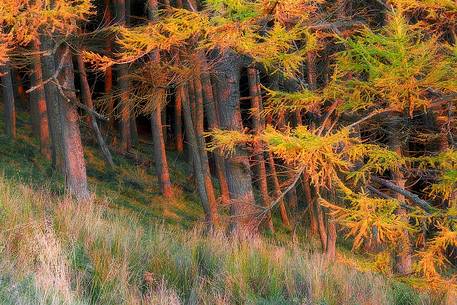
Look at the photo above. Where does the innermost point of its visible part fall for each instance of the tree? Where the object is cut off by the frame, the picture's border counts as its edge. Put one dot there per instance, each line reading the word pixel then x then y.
pixel 9 108
pixel 46 21
pixel 87 98
pixel 38 103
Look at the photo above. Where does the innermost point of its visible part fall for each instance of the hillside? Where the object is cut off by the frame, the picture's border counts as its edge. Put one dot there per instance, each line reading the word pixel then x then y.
pixel 298 152
pixel 130 246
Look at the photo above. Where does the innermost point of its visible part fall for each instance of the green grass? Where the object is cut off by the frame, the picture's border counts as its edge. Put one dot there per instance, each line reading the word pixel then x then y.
pixel 126 185
pixel 130 246
pixel 54 251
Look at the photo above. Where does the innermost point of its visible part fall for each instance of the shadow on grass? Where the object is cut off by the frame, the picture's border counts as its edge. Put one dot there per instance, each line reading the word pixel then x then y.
pixel 125 186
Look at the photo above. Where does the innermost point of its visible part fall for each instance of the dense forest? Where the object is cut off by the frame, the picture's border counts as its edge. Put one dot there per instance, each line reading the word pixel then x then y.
pixel 327 129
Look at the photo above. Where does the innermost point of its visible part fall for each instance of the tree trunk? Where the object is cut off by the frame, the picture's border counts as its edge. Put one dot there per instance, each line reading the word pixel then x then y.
pixel 163 113
pixel 108 84
pixel 315 210
pixel 179 138
pixel 202 144
pixel 73 154
pixel 9 109
pixel 291 196
pixel 87 99
pixel 321 223
pixel 331 240
pixel 258 127
pixel 123 83
pixel 322 226
pixel 33 100
pixel 242 209
pixel 311 70
pixel 330 249
pixel 133 130
pixel 19 88
pixel 311 205
pixel 443 123
pixel 213 122
pixel 403 263
pixel 160 155
pixel 49 66
pixel 211 214
pixel 277 189
pixel 38 104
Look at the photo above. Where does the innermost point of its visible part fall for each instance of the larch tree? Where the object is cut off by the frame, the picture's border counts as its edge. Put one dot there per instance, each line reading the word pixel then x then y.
pixel 49 22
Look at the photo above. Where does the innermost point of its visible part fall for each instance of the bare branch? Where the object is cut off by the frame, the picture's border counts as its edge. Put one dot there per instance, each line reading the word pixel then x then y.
pixel 426 206
pixel 372 114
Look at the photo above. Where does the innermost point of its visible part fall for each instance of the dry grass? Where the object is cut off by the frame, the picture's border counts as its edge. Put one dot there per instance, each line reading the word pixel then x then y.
pixel 53 251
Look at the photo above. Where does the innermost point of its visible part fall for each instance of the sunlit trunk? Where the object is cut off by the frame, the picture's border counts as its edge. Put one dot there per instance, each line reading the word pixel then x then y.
pixel 258 126
pixel 242 207
pixel 202 143
pixel 73 153
pixel 277 189
pixel 213 122
pixel 38 104
pixel 160 155
pixel 210 209
pixel 49 64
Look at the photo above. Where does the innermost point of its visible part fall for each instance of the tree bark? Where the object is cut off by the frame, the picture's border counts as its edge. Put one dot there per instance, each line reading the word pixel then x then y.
pixel 123 83
pixel 242 209
pixel 33 100
pixel 9 108
pixel 311 70
pixel 73 153
pixel 160 155
pixel 87 99
pixel 19 87
pixel 403 261
pixel 311 205
pixel 38 104
pixel 331 240
pixel 258 127
pixel 213 122
pixel 322 226
pixel 277 189
pixel 211 214
pixel 133 130
pixel 179 138
pixel 49 67
pixel 202 144
pixel 108 84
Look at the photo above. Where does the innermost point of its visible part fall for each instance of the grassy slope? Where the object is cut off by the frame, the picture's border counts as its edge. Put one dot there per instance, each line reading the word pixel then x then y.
pixel 131 247
pixel 127 185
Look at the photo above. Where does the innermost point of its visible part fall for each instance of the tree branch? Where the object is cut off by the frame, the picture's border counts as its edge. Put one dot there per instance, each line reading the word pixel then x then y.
pixel 426 206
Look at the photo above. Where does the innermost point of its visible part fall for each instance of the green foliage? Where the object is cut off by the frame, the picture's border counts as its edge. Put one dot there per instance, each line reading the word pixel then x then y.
pixel 395 68
pixel 320 156
pixel 303 100
pixel 25 19
pixel 234 10
pixel 222 25
pixel 377 160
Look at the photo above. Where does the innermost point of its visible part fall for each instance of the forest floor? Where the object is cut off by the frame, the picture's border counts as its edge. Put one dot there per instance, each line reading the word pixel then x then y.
pixel 131 246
